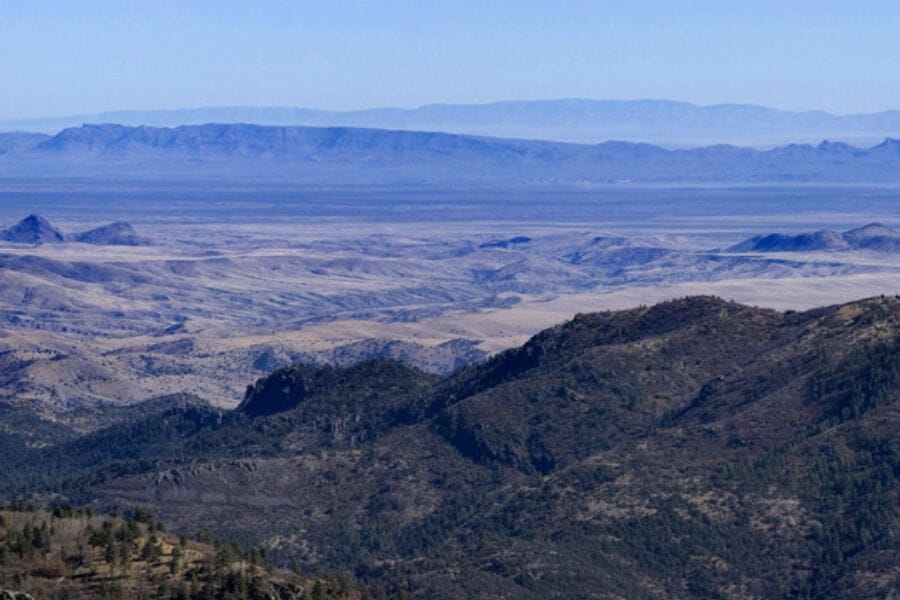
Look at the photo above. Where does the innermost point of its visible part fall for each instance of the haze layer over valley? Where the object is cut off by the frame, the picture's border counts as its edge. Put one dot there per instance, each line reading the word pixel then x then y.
pixel 204 288
pixel 664 122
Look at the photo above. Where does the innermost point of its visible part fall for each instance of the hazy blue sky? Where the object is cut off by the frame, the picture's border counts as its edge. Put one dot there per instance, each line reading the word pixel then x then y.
pixel 64 57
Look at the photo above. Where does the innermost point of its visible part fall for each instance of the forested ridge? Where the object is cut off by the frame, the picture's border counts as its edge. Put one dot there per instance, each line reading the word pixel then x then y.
pixel 696 448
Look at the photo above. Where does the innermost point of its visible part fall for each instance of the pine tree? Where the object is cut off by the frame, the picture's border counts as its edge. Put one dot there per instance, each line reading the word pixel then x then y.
pixel 151 551
pixel 175 561
pixel 111 556
pixel 318 591
pixel 125 556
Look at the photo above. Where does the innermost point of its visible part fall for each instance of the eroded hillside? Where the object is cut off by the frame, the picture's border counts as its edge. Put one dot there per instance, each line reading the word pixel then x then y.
pixel 695 448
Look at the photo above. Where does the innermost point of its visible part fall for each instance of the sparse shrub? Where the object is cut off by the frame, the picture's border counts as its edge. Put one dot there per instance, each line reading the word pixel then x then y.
pixel 49 569
pixel 63 511
pixel 142 516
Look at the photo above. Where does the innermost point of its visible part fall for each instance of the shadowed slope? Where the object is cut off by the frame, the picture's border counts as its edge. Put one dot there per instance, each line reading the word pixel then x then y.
pixel 696 448
pixel 33 229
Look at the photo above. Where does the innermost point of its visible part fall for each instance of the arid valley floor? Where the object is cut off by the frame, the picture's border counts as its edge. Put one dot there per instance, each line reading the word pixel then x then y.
pixel 237 281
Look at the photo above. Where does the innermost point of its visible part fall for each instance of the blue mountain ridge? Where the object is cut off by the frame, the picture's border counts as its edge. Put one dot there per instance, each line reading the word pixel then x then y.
pixel 355 155
pixel 874 236
pixel 663 122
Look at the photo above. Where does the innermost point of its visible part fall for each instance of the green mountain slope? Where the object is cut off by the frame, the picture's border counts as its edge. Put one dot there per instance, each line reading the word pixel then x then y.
pixel 66 553
pixel 696 448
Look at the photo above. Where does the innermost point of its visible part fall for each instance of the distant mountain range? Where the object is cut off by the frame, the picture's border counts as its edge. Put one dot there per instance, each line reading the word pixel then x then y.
pixel 874 236
pixel 35 229
pixel 663 122
pixel 340 155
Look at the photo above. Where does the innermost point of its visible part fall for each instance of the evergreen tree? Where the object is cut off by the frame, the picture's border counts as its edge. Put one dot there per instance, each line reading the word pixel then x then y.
pixel 175 560
pixel 110 554
pixel 151 551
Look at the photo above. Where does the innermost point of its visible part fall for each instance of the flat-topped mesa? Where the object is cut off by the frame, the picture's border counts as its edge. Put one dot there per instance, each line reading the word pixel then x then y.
pixel 407 155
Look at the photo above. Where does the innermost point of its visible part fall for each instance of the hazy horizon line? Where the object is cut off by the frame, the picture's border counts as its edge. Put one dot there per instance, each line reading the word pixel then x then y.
pixel 633 100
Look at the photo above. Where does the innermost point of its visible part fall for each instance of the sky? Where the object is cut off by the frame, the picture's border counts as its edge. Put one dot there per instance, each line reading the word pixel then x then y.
pixel 83 56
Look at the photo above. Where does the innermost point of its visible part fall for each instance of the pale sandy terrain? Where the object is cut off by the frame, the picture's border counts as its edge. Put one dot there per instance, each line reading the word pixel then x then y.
pixel 210 307
pixel 503 328
pixel 240 280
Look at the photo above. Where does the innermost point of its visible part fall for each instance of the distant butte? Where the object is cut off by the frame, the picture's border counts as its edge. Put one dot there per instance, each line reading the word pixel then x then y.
pixel 873 236
pixel 35 229
pixel 114 234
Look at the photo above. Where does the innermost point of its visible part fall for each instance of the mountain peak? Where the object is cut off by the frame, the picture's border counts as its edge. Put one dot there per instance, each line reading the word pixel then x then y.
pixel 872 229
pixel 33 229
pixel 889 143
pixel 325 388
pixel 874 236
pixel 804 242
pixel 114 234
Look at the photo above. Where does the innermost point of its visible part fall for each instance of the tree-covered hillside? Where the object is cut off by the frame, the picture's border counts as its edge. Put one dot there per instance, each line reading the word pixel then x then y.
pixel 693 449
pixel 66 553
